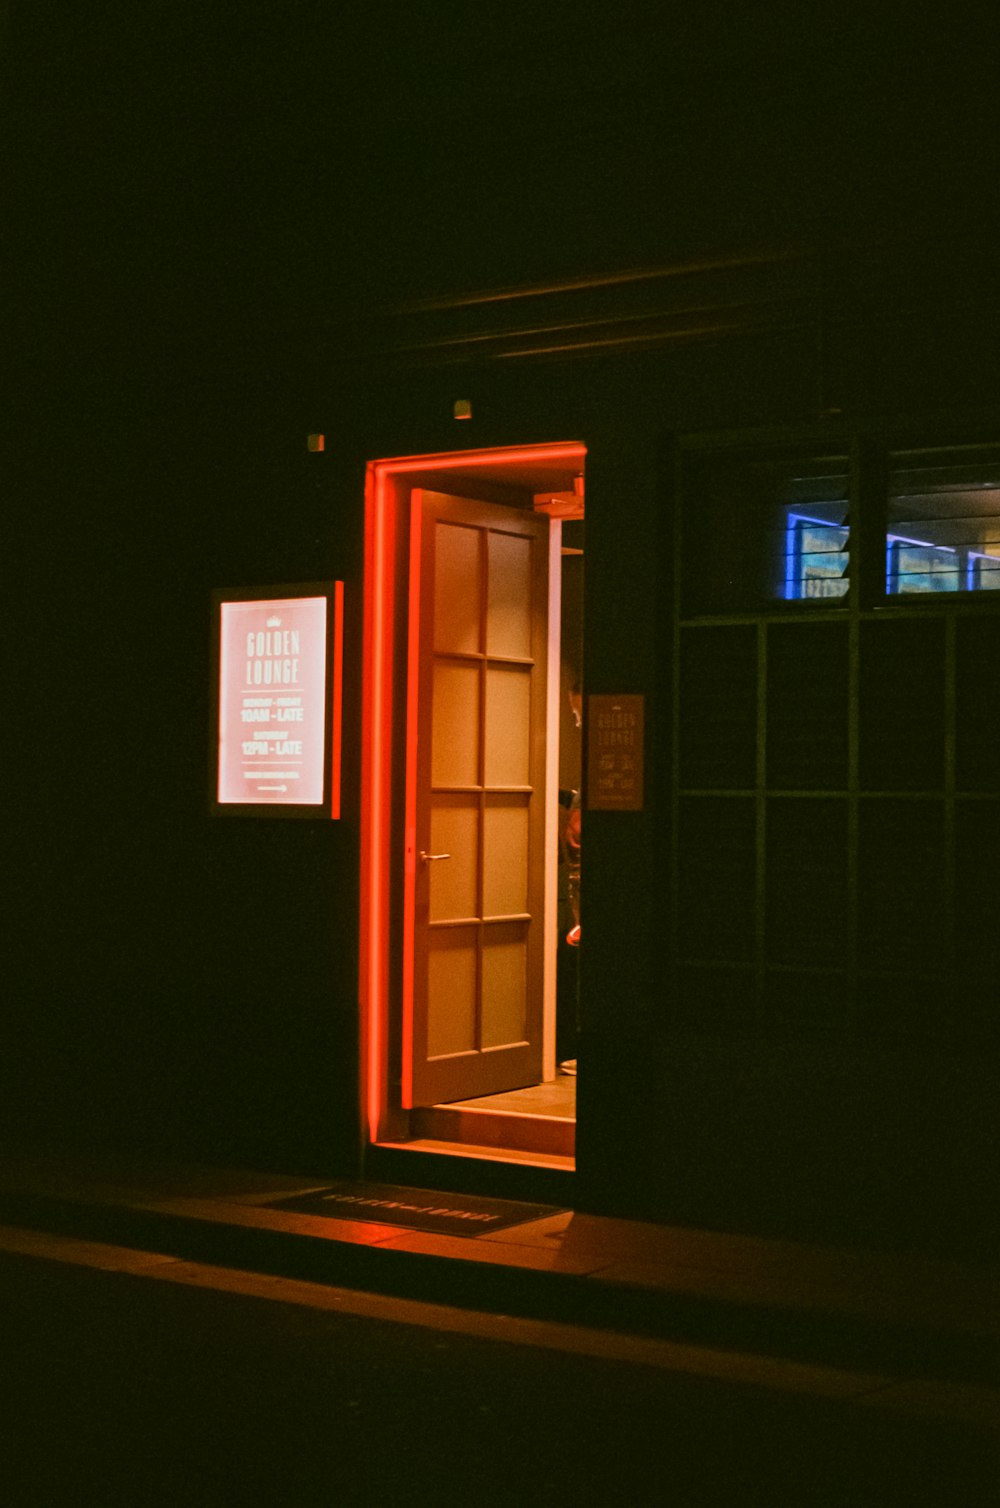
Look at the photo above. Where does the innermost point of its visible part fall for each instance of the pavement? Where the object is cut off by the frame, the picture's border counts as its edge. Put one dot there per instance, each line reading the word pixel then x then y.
pixel 914 1336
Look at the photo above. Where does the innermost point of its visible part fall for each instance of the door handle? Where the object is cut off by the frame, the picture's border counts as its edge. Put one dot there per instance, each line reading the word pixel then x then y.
pixel 426 858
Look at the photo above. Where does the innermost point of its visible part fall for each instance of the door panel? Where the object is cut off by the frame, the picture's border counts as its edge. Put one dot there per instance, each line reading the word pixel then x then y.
pixel 457 589
pixel 454 886
pixel 480 576
pixel 506 850
pixel 510 616
pixel 452 986
pixel 454 730
pixel 505 984
pixel 508 724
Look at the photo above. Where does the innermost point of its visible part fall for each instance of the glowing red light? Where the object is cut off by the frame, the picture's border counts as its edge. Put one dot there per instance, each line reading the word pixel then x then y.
pixel 337 731
pixel 377 718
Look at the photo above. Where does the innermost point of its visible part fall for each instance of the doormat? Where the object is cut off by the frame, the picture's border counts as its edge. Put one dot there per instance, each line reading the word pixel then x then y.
pixel 420 1209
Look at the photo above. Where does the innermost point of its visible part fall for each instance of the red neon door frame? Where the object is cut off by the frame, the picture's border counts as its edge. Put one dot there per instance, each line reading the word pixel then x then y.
pixel 376 730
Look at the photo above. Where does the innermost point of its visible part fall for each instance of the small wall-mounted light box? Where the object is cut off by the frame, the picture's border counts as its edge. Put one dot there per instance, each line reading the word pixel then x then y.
pixel 315 442
pixel 462 408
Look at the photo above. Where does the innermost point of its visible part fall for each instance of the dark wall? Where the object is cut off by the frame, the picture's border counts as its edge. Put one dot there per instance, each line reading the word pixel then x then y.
pixel 189 984
pixel 215 224
pixel 174 981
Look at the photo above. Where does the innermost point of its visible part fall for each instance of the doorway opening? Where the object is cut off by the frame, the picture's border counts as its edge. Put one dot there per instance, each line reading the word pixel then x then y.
pixel 470 939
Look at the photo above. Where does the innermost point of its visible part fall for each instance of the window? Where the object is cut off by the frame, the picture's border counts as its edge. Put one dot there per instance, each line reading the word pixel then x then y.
pixel 834 822
pixel 815 551
pixel 763 530
pixel 943 522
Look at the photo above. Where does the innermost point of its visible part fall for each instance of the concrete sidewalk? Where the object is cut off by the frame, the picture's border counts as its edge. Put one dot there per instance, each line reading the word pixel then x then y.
pixel 918 1335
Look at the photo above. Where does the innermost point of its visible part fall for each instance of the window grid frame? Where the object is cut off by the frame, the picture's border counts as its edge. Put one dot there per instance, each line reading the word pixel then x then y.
pixel 866 601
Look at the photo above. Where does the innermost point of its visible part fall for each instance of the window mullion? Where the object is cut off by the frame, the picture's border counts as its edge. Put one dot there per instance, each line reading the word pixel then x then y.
pixel 868 506
pixel 869 473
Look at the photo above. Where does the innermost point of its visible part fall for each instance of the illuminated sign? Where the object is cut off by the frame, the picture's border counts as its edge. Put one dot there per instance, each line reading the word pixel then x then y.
pixel 279 684
pixel 615 753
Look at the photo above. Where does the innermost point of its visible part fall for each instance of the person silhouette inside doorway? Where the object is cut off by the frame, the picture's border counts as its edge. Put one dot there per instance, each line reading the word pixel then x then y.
pixel 568 961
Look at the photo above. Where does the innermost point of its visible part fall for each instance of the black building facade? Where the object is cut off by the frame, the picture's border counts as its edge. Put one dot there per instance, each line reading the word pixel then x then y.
pixel 789 453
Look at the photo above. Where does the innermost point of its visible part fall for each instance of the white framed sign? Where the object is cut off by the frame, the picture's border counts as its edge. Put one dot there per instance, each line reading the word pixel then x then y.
pixel 278 674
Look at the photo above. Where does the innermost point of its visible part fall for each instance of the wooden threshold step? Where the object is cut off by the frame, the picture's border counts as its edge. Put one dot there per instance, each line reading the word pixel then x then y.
pixel 496 1128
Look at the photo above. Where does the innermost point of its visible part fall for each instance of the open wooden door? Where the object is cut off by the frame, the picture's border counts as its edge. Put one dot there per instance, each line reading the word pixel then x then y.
pixel 475 799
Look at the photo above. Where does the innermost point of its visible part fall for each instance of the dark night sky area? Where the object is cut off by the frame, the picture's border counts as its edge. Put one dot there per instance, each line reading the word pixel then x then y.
pixel 268 162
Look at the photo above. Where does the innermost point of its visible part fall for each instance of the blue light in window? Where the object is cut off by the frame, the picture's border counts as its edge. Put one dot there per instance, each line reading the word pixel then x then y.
pixel 982 572
pixel 816 562
pixel 916 565
pixel 815 557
